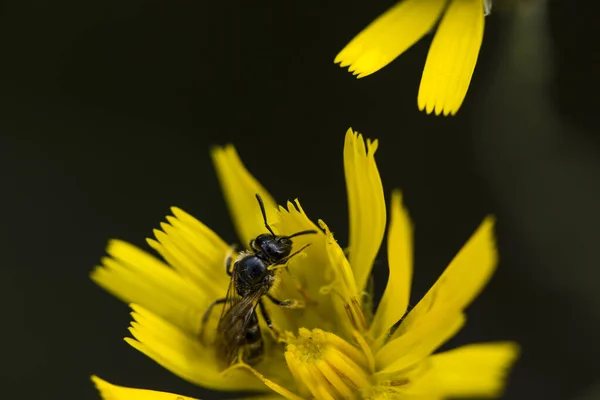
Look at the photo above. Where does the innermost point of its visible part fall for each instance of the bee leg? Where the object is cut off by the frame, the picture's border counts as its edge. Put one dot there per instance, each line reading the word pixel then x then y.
pixel 286 303
pixel 240 356
pixel 265 315
pixel 307 297
pixel 206 315
pixel 285 260
pixel 229 260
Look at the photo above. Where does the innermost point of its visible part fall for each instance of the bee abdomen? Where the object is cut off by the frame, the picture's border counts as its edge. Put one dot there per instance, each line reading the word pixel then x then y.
pixel 254 341
pixel 252 333
pixel 254 352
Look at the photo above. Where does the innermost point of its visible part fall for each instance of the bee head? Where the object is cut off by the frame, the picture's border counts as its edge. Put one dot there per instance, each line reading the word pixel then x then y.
pixel 273 247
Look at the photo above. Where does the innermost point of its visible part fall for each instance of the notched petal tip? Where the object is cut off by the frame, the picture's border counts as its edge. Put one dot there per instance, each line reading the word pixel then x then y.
pixel 366 204
pixel 389 35
pixel 216 150
pixel 176 210
pixel 136 309
pixel 114 243
pixel 452 58
pixel 182 353
pixel 372 146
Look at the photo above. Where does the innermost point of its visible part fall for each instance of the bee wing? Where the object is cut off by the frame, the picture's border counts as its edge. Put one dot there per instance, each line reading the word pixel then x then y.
pixel 231 297
pixel 235 317
pixel 239 310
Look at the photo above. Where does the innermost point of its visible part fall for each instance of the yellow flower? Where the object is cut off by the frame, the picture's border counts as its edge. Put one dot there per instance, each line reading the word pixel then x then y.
pixel 452 55
pixel 333 347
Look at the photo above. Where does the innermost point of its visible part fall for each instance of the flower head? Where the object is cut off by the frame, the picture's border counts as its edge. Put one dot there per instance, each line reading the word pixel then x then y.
pixel 330 345
pixel 452 56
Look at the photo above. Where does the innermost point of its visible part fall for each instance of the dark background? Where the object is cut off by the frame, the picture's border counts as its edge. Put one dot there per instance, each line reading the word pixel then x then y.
pixel 108 109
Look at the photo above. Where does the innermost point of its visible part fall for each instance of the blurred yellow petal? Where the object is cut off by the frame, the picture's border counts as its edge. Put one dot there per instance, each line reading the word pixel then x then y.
pixel 452 58
pixel 240 188
pixel 193 250
pixel 366 205
pixel 184 354
pixel 396 296
pixel 475 370
pixel 135 276
pixel 461 282
pixel 109 391
pixel 414 346
pixel 390 35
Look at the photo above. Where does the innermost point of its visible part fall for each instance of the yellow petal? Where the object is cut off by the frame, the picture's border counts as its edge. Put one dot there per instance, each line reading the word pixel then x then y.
pixel 109 391
pixel 184 354
pixel 366 204
pixel 263 397
pixel 452 58
pixel 461 282
pixel 417 344
pixel 322 276
pixel 135 276
pixel 476 370
pixel 193 250
pixel 325 365
pixel 343 289
pixel 240 189
pixel 396 296
pixel 390 35
pixel 302 280
pixel 285 393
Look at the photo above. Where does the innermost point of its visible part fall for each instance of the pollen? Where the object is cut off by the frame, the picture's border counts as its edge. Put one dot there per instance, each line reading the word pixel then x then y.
pixel 326 366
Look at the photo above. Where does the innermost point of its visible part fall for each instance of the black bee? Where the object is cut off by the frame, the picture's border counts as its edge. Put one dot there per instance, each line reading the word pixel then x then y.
pixel 252 276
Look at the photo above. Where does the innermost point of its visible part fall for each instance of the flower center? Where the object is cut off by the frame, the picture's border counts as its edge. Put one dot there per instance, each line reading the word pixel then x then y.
pixel 326 366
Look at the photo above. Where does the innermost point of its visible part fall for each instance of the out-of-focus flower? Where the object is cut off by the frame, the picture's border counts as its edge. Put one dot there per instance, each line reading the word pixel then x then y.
pixel 452 55
pixel 334 347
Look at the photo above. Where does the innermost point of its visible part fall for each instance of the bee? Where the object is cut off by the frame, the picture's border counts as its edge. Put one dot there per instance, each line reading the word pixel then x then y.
pixel 252 276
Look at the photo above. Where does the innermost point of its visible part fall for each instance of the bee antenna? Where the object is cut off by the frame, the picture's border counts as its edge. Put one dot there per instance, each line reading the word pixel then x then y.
pixel 285 260
pixel 264 214
pixel 308 232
